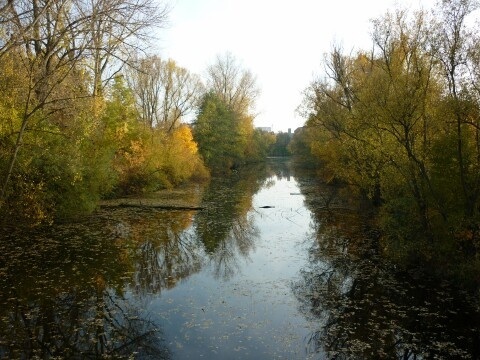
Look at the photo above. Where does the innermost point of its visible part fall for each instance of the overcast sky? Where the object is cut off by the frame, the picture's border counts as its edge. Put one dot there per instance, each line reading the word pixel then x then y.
pixel 282 42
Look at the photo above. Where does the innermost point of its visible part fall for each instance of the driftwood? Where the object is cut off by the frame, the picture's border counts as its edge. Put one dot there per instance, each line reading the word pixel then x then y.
pixel 153 206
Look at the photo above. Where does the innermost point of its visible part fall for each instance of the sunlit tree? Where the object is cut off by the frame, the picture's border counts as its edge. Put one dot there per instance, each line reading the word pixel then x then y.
pixel 52 46
pixel 165 92
pixel 232 83
pixel 224 125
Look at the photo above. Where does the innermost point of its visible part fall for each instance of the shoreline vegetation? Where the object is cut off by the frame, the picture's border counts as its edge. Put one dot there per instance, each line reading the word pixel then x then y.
pixel 184 197
pixel 399 123
pixel 85 121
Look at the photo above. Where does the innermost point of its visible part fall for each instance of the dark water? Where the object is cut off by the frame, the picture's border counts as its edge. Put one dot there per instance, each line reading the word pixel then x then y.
pixel 275 266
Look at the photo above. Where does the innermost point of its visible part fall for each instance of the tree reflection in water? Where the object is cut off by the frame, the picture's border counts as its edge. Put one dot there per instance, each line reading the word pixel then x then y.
pixel 165 250
pixel 368 309
pixel 226 230
pixel 66 293
pixel 71 326
pixel 61 297
pixel 235 246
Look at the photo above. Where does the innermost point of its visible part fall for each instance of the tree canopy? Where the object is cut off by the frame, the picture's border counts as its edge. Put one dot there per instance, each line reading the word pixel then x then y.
pixel 86 113
pixel 400 123
pixel 71 128
pixel 224 124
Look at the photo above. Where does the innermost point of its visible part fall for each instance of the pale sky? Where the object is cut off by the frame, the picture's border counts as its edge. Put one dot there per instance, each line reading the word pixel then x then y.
pixel 282 42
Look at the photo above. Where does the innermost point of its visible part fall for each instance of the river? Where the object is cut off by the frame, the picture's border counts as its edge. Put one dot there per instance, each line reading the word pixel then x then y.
pixel 268 264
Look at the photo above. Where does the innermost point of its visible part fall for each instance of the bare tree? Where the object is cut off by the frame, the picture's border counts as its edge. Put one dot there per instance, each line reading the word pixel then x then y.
pixel 145 80
pixel 165 92
pixel 235 86
pixel 181 90
pixel 119 30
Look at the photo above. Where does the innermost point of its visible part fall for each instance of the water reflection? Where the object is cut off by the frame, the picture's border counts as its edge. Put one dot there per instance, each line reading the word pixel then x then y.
pixel 165 250
pixel 107 286
pixel 239 305
pixel 280 168
pixel 225 227
pixel 61 297
pixel 368 309
pixel 73 326
pixel 76 290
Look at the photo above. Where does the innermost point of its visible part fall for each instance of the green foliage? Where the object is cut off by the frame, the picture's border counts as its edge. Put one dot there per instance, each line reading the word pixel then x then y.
pixel 403 128
pixel 259 146
pixel 218 132
pixel 280 146
pixel 224 124
pixel 300 147
pixel 61 176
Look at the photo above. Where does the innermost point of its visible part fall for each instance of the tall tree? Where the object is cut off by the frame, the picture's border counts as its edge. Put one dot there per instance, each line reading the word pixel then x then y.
pixel 165 92
pixel 233 84
pixel 403 89
pixel 50 41
pixel 232 92
pixel 375 116
pixel 456 47
pixel 218 134
pixel 119 30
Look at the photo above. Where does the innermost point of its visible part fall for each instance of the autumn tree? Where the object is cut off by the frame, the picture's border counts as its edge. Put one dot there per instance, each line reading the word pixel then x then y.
pixel 118 31
pixel 259 145
pixel 165 92
pixel 232 83
pixel 375 118
pixel 145 159
pixel 46 46
pixel 330 105
pixel 49 41
pixel 400 99
pixel 226 113
pixel 455 46
pixel 401 124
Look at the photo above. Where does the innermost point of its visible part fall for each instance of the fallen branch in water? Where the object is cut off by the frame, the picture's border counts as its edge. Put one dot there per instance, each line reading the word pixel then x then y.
pixel 152 206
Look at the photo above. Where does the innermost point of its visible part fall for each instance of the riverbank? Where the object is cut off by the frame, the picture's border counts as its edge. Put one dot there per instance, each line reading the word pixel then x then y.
pixel 187 195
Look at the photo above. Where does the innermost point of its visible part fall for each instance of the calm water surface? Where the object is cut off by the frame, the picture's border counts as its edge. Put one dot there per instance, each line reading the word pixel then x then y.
pixel 240 304
pixel 274 266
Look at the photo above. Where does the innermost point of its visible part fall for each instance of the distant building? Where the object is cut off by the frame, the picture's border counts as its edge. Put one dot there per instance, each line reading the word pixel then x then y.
pixel 264 128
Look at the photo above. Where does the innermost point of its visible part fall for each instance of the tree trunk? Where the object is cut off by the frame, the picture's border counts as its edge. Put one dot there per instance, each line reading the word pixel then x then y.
pixel 13 160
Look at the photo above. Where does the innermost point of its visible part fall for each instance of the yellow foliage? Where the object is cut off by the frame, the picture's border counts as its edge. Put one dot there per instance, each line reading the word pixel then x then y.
pixel 136 155
pixel 121 131
pixel 155 159
pixel 183 135
pixel 181 158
